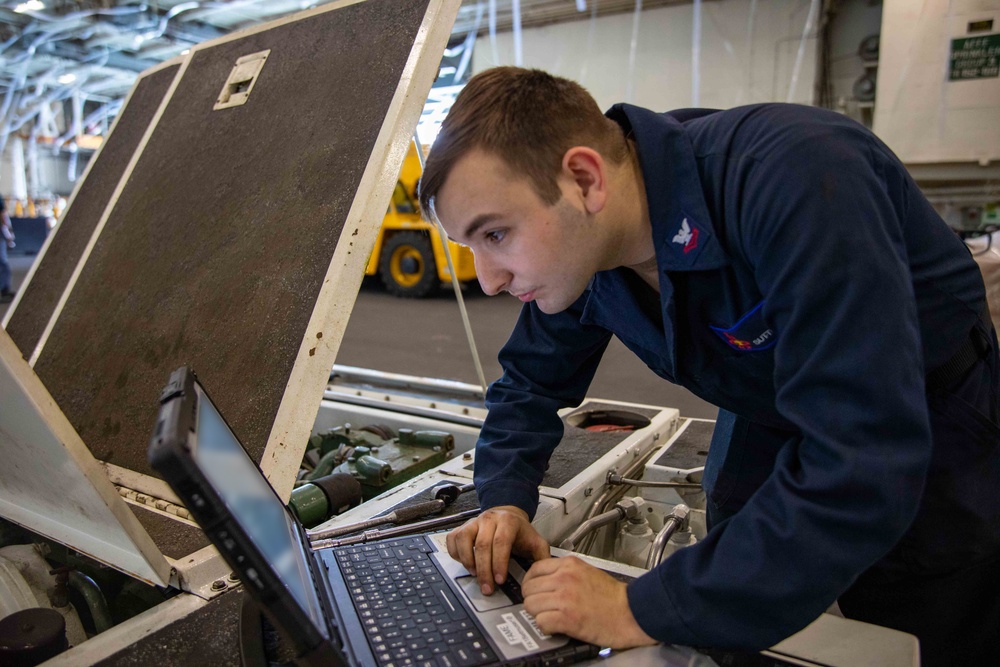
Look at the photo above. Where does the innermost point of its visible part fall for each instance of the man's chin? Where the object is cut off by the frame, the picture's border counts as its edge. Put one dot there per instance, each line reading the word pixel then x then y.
pixel 553 306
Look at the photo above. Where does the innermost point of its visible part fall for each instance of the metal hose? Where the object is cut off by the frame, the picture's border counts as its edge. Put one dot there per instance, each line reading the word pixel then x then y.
pixel 626 509
pixel 615 479
pixel 612 494
pixel 591 524
pixel 676 519
pixel 94 598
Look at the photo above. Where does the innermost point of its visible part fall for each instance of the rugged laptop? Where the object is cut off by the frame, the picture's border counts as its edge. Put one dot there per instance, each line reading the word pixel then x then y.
pixel 391 603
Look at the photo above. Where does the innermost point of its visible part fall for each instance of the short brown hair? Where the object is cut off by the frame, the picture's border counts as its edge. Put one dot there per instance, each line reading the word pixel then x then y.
pixel 526 117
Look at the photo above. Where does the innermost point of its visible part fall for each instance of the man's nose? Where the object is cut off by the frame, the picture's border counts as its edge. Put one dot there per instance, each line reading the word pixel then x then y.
pixel 492 278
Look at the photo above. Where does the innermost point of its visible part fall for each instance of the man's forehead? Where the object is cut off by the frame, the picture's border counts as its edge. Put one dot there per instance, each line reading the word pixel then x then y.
pixel 471 186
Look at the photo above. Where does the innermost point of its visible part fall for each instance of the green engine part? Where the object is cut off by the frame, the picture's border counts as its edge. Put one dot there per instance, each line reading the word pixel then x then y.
pixel 372 471
pixel 316 501
pixel 309 504
pixel 380 465
pixel 330 440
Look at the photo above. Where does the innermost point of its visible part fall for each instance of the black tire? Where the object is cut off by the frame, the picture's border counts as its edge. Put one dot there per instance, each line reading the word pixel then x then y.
pixel 407 266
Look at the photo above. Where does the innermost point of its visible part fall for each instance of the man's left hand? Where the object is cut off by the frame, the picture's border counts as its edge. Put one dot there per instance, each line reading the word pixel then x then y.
pixel 568 596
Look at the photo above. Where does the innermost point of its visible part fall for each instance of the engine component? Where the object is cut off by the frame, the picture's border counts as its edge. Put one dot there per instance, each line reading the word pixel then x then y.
pixel 615 479
pixel 680 539
pixel 634 541
pixel 370 470
pixel 676 521
pixel 94 598
pixel 27 581
pixel 15 592
pixel 626 508
pixel 32 636
pixel 376 462
pixel 316 501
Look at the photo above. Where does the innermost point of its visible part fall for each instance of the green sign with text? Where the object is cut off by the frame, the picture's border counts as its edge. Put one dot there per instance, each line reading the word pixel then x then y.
pixel 975 58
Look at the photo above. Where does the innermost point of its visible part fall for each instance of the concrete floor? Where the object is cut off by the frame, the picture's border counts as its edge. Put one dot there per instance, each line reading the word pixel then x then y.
pixel 426 337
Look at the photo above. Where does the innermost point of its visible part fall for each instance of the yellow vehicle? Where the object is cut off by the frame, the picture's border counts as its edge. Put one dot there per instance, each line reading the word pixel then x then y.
pixel 409 255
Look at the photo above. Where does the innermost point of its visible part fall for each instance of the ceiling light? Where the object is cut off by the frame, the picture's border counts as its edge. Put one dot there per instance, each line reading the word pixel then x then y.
pixel 30 6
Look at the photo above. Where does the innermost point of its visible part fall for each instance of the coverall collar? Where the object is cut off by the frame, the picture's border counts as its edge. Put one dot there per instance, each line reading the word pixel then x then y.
pixel 683 234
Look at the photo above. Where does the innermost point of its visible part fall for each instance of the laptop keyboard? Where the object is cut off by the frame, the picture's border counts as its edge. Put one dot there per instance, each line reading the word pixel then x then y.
pixel 411 616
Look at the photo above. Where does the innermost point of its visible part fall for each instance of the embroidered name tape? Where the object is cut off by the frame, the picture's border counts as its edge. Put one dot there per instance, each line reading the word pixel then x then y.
pixel 750 334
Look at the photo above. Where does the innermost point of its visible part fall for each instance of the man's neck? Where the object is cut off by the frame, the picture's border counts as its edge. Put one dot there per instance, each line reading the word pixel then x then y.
pixel 636 232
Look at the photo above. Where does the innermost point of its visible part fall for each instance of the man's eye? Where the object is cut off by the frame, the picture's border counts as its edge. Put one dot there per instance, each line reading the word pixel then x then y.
pixel 495 236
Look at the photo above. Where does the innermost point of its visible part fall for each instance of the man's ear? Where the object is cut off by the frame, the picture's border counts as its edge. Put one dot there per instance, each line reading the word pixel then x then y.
pixel 584 170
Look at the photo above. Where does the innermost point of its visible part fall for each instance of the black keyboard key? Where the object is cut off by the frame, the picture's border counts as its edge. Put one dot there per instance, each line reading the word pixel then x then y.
pixel 446 660
pixel 411 615
pixel 452 608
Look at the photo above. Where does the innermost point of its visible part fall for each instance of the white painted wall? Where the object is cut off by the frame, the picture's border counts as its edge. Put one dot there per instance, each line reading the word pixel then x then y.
pixel 748 54
pixel 919 113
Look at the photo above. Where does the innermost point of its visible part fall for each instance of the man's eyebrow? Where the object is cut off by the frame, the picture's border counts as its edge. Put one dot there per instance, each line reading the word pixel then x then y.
pixel 478 222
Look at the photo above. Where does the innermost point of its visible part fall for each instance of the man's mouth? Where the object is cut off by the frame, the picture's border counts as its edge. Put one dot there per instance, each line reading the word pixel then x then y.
pixel 526 296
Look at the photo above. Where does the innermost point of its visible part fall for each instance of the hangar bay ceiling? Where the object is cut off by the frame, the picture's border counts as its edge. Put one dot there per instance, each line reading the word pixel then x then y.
pixel 66 66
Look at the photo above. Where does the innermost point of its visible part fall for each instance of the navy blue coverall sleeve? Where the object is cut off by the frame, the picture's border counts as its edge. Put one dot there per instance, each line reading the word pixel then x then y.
pixel 827 248
pixel 546 368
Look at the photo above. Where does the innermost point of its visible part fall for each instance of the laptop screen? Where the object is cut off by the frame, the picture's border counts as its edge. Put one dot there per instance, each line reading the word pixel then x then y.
pixel 253 504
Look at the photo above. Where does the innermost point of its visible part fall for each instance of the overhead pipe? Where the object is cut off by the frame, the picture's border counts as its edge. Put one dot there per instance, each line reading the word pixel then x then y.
pixel 800 56
pixel 17 85
pixel 59 28
pixel 748 50
pixel 161 26
pixel 209 8
pixel 469 44
pixel 493 31
pixel 516 16
pixel 696 55
pixel 590 41
pixel 633 48
pixel 75 16
pixel 110 108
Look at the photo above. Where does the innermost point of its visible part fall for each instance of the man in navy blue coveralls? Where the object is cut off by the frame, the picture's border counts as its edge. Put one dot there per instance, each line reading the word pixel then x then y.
pixel 779 262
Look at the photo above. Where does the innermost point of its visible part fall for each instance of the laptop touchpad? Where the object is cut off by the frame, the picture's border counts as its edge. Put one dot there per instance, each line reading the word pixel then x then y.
pixel 470 586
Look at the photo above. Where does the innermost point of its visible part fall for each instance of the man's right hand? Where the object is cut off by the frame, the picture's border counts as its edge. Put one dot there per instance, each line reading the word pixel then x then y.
pixel 484 544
